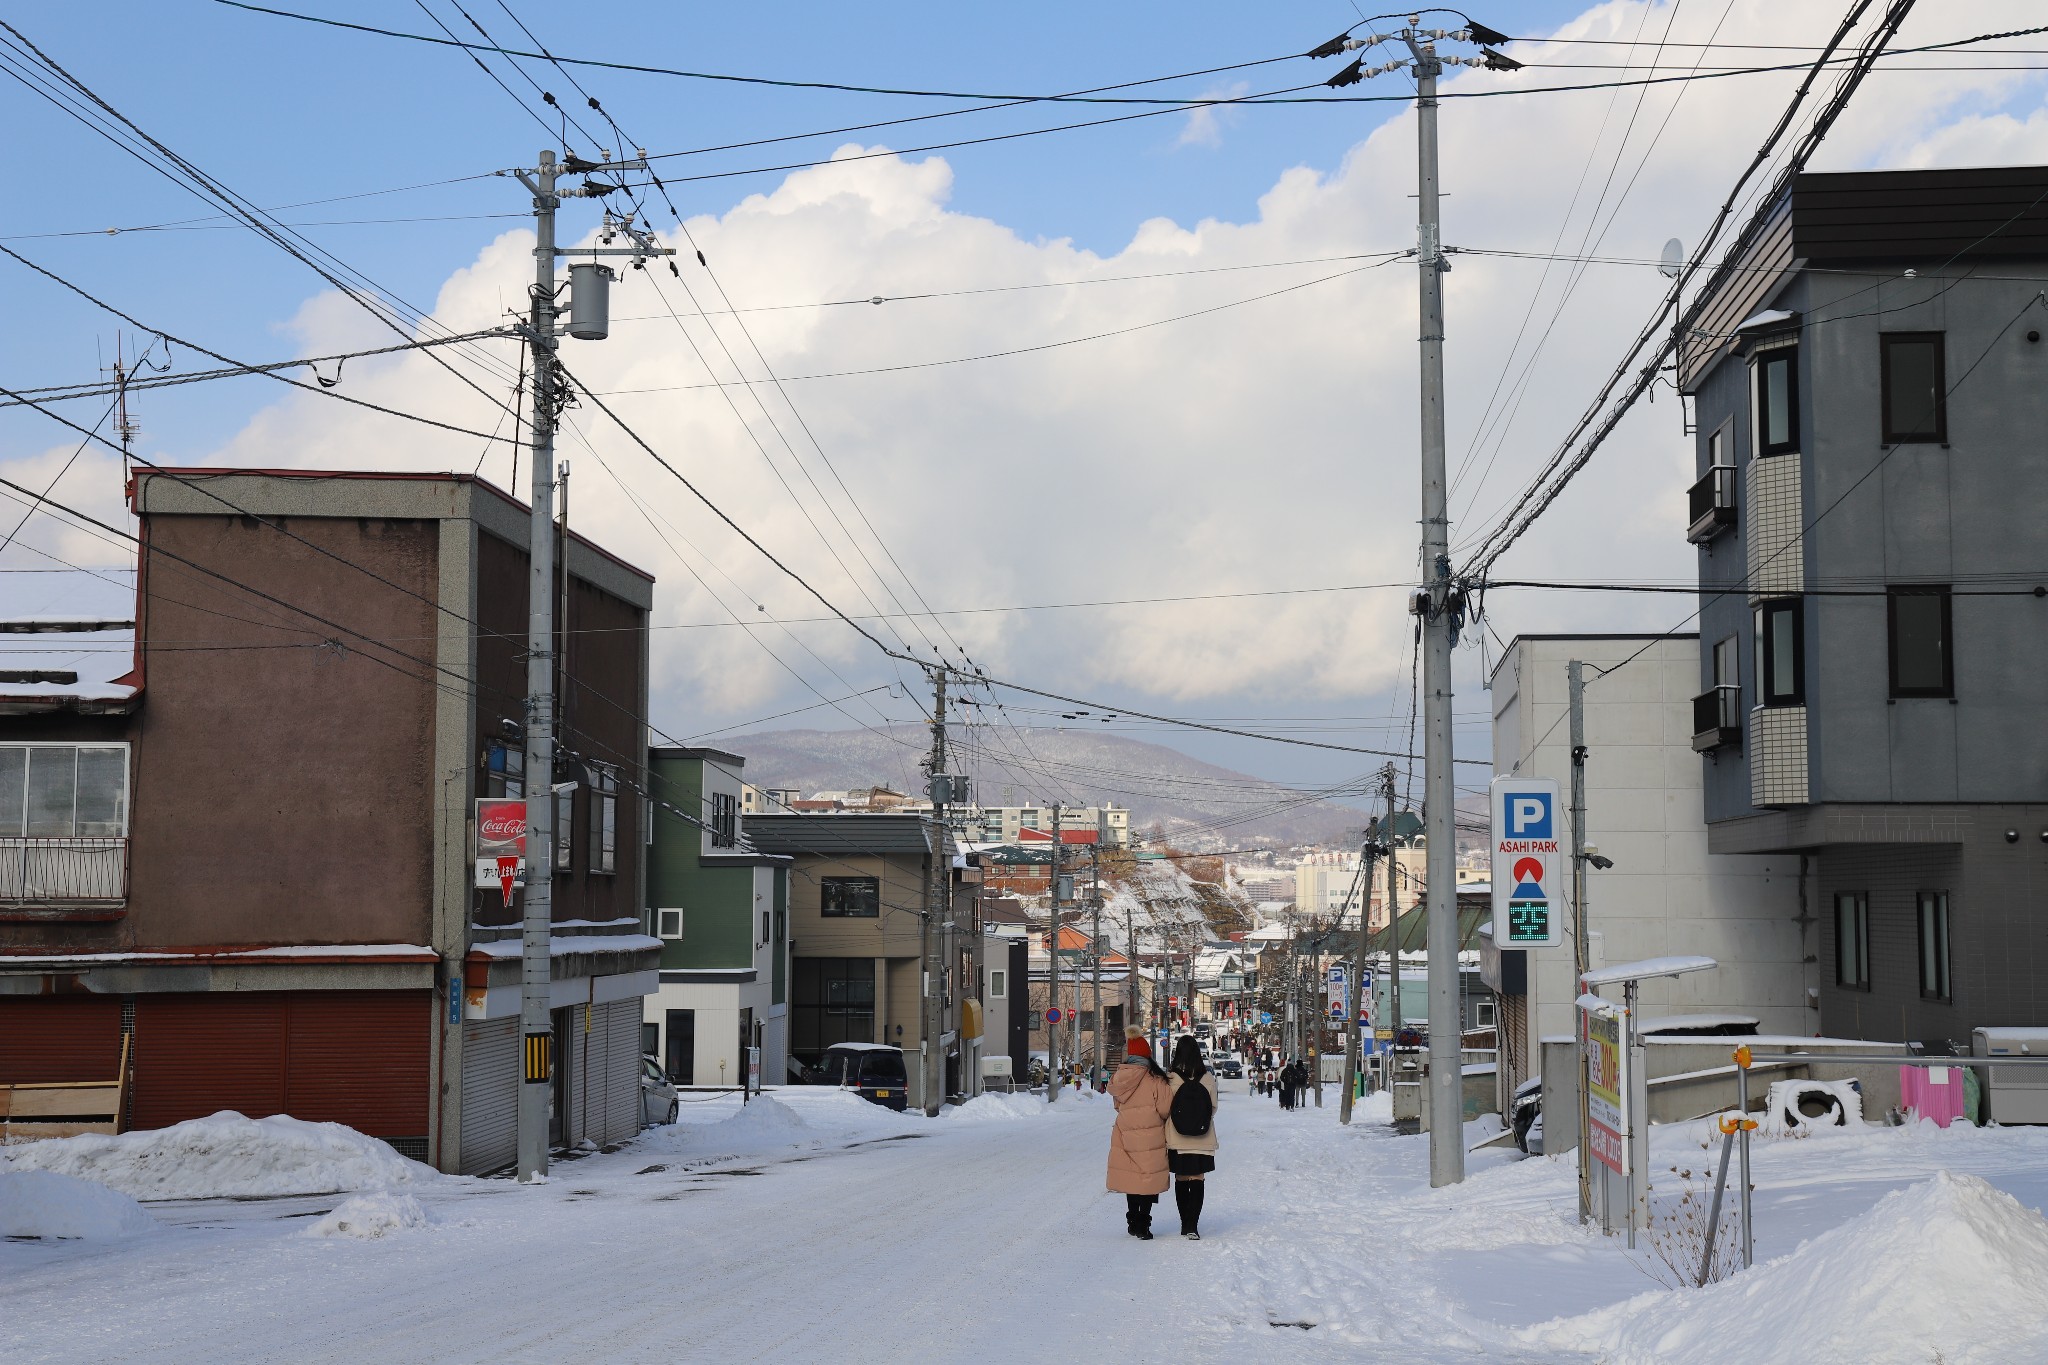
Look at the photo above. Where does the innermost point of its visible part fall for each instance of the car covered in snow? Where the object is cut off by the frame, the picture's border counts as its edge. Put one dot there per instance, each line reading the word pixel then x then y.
pixel 874 1071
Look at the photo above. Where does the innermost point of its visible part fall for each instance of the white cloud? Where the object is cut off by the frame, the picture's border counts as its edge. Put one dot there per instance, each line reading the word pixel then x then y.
pixel 1268 445
pixel 1204 126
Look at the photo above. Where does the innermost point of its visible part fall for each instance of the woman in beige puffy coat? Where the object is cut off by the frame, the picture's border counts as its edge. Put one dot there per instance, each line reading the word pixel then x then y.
pixel 1190 1156
pixel 1137 1144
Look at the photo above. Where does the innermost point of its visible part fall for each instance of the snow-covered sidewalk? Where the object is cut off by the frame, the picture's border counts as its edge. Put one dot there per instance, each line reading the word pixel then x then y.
pixel 815 1225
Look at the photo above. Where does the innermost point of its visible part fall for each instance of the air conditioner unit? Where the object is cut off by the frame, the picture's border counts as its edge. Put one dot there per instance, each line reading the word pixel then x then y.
pixel 2014 1094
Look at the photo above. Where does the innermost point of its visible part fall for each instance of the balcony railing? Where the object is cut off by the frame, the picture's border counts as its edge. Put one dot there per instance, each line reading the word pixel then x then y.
pixel 1717 717
pixel 1712 502
pixel 84 870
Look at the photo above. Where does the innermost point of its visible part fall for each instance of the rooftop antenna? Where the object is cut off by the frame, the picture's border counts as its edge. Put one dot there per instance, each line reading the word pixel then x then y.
pixel 124 425
pixel 1673 261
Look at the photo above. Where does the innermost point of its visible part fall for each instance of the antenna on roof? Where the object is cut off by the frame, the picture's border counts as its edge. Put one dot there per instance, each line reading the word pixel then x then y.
pixel 1674 259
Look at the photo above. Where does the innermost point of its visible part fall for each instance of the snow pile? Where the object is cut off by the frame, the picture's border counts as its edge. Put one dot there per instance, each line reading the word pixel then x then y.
pixel 45 1204
pixel 995 1106
pixel 368 1216
pixel 1951 1269
pixel 226 1155
pixel 762 1122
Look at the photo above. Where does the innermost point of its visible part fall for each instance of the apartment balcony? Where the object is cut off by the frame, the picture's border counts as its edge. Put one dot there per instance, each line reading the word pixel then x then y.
pixel 1717 718
pixel 1712 504
pixel 58 874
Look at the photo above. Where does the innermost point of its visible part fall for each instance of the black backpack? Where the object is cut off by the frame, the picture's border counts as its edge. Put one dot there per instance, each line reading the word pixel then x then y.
pixel 1192 1109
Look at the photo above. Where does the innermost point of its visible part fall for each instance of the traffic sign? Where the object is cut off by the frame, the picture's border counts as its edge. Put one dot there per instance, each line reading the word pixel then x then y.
pixel 1528 862
pixel 1053 1016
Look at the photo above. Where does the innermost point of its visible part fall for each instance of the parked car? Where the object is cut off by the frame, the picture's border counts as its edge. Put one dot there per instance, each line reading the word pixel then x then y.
pixel 1525 1114
pixel 874 1071
pixel 658 1100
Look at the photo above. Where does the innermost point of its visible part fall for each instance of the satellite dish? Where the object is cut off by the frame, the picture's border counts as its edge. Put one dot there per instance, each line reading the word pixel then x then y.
pixel 1674 259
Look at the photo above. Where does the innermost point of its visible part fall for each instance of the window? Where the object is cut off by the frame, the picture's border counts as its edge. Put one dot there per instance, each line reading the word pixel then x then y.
pixel 1852 939
pixel 682 1046
pixel 1914 395
pixel 832 1001
pixel 505 770
pixel 1482 1014
pixel 725 820
pixel 1921 660
pixel 1727 664
pixel 668 924
pixel 764 926
pixel 564 830
pixel 1780 652
pixel 998 982
pixel 650 1044
pixel 64 791
pixel 1934 980
pixel 850 897
pixel 604 818
pixel 1038 1021
pixel 1777 401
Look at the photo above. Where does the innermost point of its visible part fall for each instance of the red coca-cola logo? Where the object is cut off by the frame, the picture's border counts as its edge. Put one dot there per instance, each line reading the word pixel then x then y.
pixel 501 823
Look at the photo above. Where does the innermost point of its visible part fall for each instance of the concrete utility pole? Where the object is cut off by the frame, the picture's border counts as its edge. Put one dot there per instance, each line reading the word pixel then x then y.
pixel 1393 940
pixel 1575 676
pixel 1434 601
pixel 1354 1044
pixel 1095 946
pixel 535 966
pixel 1052 954
pixel 931 1059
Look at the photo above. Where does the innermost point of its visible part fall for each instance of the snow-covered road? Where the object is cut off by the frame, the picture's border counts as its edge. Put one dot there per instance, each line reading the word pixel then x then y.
pixel 817 1227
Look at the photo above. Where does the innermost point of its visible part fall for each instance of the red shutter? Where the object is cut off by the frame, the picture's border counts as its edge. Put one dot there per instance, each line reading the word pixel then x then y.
pixel 361 1058
pixel 199 1054
pixel 59 1038
pixel 354 1057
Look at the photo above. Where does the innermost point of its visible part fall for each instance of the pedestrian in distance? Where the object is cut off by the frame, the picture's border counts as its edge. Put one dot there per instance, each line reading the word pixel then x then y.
pixel 1137 1142
pixel 1190 1132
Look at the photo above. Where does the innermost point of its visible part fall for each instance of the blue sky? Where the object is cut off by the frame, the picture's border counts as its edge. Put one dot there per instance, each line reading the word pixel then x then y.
pixel 1240 440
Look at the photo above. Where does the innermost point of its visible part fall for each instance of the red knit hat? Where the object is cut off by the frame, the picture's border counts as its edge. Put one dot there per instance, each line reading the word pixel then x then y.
pixel 1138 1047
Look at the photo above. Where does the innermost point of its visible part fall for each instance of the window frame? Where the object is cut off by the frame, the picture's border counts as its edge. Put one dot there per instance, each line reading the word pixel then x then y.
pixel 1947 687
pixel 1760 366
pixel 661 923
pixel 603 857
pixel 828 885
pixel 1859 903
pixel 998 983
pixel 1937 980
pixel 1767 651
pixel 1891 437
pixel 725 820
pixel 564 832
pixel 123 799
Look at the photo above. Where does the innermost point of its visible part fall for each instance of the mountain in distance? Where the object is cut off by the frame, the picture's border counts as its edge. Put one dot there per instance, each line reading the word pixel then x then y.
pixel 1199 805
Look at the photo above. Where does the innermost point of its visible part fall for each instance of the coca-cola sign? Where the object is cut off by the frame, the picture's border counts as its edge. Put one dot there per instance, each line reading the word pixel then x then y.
pixel 500 827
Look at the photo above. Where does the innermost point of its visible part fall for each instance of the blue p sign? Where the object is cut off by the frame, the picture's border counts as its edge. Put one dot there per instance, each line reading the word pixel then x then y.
pixel 1529 815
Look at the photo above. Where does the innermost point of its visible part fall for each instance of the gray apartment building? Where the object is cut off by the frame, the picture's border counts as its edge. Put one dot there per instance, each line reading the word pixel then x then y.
pixel 1869 388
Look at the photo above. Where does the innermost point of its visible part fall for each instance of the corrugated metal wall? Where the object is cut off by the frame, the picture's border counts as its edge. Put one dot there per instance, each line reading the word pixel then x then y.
pixel 604 1072
pixel 622 1063
pixel 490 1095
pixel 47 1038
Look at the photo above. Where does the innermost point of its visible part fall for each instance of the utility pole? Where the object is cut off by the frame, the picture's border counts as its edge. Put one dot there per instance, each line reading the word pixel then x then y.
pixel 1393 941
pixel 1440 605
pixel 1575 675
pixel 1095 947
pixel 1354 1044
pixel 536 984
pixel 535 967
pixel 1052 953
pixel 931 1062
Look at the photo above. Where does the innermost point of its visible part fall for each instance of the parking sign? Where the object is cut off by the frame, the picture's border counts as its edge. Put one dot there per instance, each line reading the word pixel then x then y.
pixel 1528 863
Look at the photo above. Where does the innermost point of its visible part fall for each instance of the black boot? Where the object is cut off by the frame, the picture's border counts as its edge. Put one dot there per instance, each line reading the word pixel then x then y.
pixel 1138 1218
pixel 1191 1211
pixel 1183 1197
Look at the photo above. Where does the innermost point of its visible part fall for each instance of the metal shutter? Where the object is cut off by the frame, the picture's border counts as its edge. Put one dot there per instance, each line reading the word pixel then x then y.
pixel 59 1038
pixel 361 1058
pixel 199 1054
pixel 353 1057
pixel 622 1070
pixel 490 1095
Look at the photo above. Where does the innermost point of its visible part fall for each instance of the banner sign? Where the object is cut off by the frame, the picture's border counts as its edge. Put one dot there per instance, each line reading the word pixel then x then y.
pixel 1607 1087
pixel 500 834
pixel 1528 863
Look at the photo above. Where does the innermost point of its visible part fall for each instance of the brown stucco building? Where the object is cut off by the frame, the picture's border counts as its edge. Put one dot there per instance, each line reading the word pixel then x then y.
pixel 265 883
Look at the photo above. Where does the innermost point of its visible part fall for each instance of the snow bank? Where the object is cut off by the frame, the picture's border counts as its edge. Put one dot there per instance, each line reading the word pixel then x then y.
pixel 45 1204
pixel 1951 1269
pixel 995 1107
pixel 226 1155
pixel 369 1216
